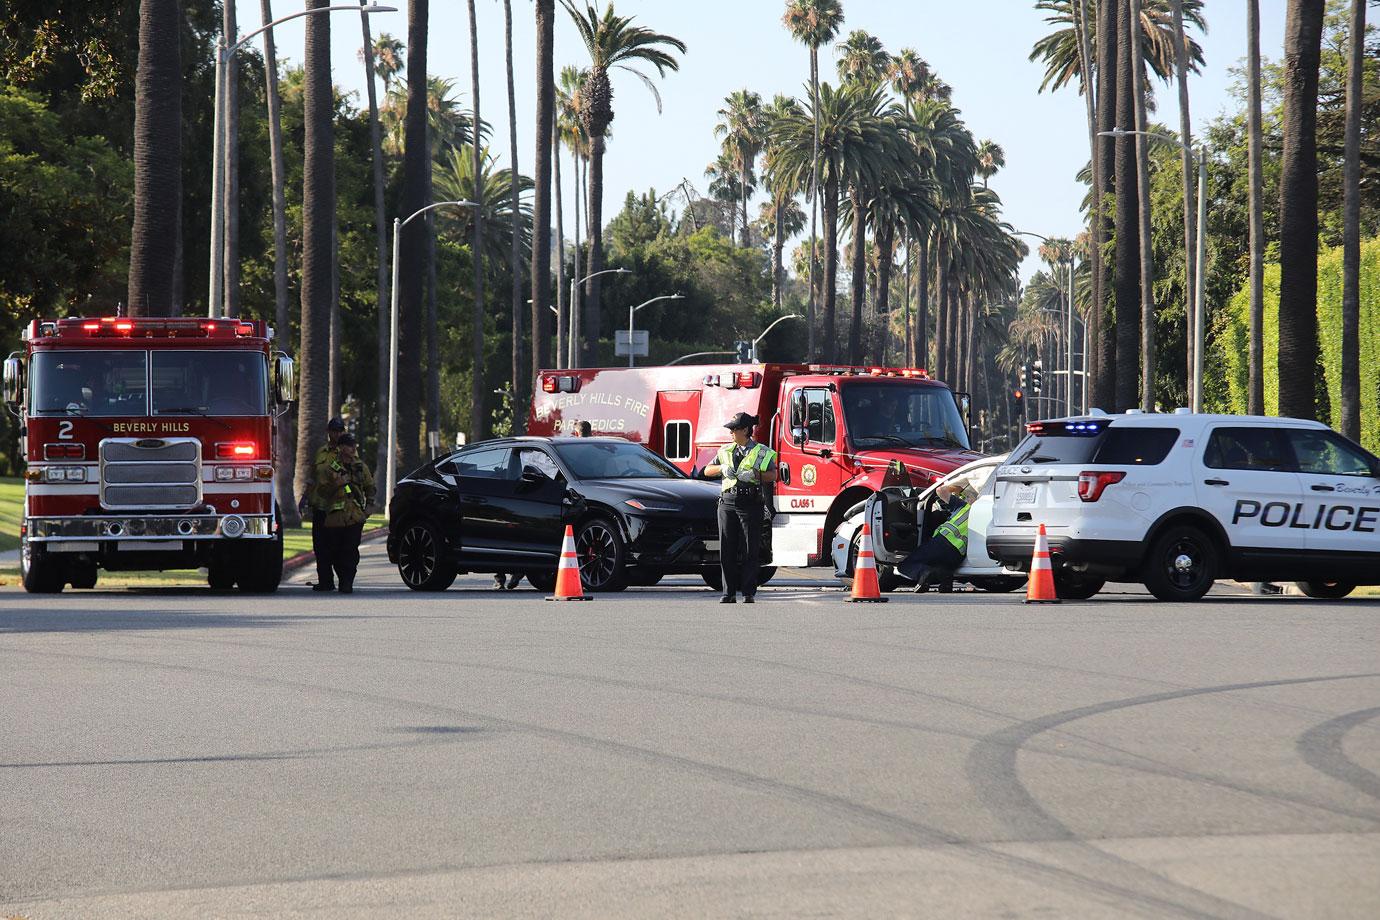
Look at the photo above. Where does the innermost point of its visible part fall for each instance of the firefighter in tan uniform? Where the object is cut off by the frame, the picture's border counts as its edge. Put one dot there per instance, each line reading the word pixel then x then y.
pixel 744 466
pixel 346 490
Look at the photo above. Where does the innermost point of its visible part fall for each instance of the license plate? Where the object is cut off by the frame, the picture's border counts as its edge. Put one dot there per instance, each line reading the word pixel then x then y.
pixel 1025 495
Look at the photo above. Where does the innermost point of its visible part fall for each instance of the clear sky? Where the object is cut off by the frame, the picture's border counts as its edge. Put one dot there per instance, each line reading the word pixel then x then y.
pixel 979 47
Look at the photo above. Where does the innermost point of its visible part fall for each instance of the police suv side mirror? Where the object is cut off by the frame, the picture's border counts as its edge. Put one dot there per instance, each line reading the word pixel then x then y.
pixel 284 378
pixel 14 381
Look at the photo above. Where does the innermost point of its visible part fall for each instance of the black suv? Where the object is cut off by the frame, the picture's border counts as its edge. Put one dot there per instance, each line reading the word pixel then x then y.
pixel 502 506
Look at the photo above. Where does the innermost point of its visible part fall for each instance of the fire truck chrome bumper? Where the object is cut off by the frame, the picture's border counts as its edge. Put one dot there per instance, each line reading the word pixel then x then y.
pixel 171 528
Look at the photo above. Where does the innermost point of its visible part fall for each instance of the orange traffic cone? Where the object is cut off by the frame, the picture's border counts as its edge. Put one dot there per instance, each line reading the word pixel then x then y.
pixel 568 587
pixel 1040 588
pixel 865 587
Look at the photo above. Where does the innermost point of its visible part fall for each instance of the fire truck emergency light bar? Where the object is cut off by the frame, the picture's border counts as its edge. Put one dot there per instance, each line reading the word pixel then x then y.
pixel 845 371
pixel 560 383
pixel 171 327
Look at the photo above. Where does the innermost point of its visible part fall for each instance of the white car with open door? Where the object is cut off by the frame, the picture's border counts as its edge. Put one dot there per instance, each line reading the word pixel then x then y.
pixel 901 517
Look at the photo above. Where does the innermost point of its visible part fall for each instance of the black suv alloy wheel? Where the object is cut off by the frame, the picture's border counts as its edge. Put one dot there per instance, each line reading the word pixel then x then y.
pixel 421 558
pixel 602 555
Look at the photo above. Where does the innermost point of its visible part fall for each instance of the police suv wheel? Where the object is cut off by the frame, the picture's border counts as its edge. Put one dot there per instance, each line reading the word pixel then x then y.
pixel 422 560
pixel 1325 590
pixel 1181 565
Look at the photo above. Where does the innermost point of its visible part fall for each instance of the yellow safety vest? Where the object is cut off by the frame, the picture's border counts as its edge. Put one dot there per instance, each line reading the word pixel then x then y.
pixel 955 529
pixel 758 459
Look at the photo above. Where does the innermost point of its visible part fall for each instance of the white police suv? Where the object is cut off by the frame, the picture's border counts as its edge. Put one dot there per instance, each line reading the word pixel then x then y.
pixel 1178 501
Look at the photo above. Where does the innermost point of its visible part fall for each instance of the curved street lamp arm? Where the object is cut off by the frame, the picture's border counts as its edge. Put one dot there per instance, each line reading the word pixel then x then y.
pixel 438 204
pixel 607 271
pixel 699 354
pixel 320 9
pixel 779 319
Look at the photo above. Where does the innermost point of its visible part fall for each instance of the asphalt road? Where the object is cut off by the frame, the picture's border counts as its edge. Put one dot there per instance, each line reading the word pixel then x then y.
pixel 183 754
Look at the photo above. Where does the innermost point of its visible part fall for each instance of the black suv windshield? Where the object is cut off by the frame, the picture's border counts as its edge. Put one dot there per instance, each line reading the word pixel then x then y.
pixel 614 460
pixel 901 414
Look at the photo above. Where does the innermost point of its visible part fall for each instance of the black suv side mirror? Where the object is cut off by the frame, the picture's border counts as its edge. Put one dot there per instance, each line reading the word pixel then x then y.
pixel 533 477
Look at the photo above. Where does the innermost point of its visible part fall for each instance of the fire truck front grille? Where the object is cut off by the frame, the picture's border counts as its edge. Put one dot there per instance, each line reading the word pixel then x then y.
pixel 150 473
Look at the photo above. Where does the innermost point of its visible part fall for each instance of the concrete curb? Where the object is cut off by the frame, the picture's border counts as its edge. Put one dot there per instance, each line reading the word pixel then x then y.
pixel 302 560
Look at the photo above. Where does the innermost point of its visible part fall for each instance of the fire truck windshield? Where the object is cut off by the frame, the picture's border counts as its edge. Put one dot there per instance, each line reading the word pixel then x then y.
pixel 118 383
pixel 901 414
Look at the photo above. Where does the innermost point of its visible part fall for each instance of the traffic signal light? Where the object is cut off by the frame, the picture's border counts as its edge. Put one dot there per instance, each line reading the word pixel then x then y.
pixel 1025 376
pixel 1018 403
pixel 744 350
pixel 1035 376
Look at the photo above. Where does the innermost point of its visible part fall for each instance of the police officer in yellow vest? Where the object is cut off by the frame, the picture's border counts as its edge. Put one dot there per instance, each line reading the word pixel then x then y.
pixel 744 466
pixel 346 489
pixel 938 557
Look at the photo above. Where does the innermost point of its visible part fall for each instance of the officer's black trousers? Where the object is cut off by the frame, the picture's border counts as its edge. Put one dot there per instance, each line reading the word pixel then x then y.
pixel 740 543
pixel 323 564
pixel 341 545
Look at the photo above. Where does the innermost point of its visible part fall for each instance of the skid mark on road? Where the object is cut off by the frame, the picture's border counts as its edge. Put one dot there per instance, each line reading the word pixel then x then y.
pixel 902 829
pixel 1321 748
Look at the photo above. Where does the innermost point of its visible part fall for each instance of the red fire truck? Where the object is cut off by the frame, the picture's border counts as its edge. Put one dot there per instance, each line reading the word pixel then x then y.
pixel 148 445
pixel 842 432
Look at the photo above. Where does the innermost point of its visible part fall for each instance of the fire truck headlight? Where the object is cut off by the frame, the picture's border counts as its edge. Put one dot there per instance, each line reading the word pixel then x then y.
pixel 65 474
pixel 225 473
pixel 243 473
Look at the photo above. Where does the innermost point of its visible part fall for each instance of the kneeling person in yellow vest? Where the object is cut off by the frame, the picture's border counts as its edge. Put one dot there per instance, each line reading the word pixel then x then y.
pixel 938 557
pixel 346 492
pixel 743 466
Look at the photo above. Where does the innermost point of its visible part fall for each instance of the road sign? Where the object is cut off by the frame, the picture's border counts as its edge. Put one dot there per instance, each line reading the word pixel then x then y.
pixel 639 343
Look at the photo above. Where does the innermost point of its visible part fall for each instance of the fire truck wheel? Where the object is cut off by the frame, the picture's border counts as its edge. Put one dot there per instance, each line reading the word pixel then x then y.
pixel 422 560
pixel 262 566
pixel 41 575
pixel 220 575
pixel 602 554
pixel 83 575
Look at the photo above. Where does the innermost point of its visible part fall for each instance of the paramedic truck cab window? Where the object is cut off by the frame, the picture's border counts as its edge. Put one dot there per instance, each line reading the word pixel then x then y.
pixel 92 383
pixel 812 415
pixel 904 415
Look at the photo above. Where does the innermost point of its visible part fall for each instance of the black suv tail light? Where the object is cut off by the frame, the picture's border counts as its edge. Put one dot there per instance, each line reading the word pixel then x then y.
pixel 1091 484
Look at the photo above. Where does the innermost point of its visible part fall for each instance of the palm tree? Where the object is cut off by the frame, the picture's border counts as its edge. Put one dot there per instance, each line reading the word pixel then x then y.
pixel 1255 389
pixel 372 69
pixel 862 58
pixel 726 188
pixel 501 205
pixel 477 392
pixel 519 387
pixel 1127 228
pixel 1059 49
pixel 742 124
pixel 991 158
pixel 1147 267
pixel 1186 165
pixel 230 160
pixel 1103 354
pixel 906 202
pixel 612 41
pixel 388 58
pixel 813 23
pixel 157 160
pixel 782 208
pixel 541 173
pixel 1298 211
pixel 318 239
pixel 416 194
pixel 570 132
pixel 1351 230
pixel 448 124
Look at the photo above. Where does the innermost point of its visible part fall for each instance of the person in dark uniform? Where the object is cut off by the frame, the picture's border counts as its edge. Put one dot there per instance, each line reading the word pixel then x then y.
pixel 349 488
pixel 318 505
pixel 744 467
pixel 938 557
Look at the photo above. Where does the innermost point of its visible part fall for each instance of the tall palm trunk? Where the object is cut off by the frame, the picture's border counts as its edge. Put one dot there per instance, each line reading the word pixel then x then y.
pixel 519 370
pixel 1351 229
pixel 594 209
pixel 283 432
pixel 746 240
pixel 1127 228
pixel 1091 100
pixel 433 328
pixel 941 313
pixel 830 207
pixel 476 431
pixel 1255 400
pixel 920 346
pixel 886 236
pixel 1186 163
pixel 1108 100
pixel 380 239
pixel 577 311
pixel 1298 210
pixel 157 160
pixel 1147 265
pixel 859 286
pixel 778 245
pixel 231 266
pixel 562 302
pixel 334 375
pixel 416 194
pixel 318 236
pixel 546 152
pixel 814 203
pixel 907 330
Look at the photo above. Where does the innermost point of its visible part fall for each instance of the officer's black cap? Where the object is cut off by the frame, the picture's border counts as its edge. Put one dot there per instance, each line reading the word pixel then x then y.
pixel 347 440
pixel 741 420
pixel 335 424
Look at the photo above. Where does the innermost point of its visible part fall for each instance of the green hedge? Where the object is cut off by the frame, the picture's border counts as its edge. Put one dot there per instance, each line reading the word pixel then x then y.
pixel 1230 337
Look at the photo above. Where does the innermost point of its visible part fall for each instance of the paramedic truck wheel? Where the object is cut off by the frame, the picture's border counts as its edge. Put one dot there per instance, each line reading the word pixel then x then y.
pixel 1325 590
pixel 1181 565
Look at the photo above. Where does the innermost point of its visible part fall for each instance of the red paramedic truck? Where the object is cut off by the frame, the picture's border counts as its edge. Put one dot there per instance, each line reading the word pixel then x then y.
pixel 842 433
pixel 148 445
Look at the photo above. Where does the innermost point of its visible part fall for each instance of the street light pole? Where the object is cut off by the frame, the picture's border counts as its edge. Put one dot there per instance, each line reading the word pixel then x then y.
pixel 575 323
pixel 1196 257
pixel 779 319
pixel 224 127
pixel 632 312
pixel 398 223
